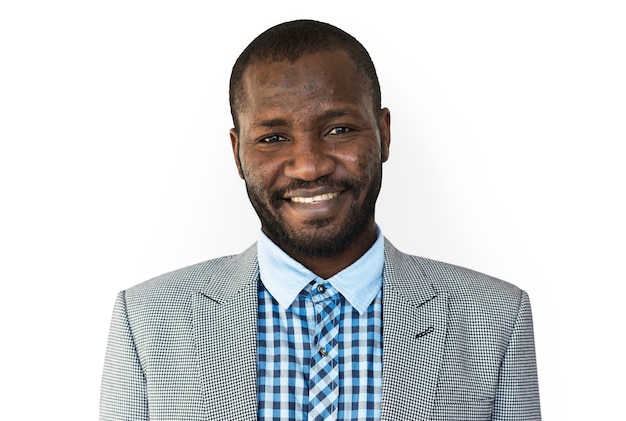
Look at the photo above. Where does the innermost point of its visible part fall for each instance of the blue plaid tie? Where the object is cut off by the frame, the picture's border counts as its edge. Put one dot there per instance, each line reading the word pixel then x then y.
pixel 324 375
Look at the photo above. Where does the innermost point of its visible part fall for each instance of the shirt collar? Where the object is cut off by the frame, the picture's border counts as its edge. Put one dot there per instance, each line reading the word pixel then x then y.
pixel 285 277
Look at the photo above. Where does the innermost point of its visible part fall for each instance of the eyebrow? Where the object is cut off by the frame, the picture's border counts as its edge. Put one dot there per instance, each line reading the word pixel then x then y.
pixel 281 122
pixel 269 123
pixel 333 114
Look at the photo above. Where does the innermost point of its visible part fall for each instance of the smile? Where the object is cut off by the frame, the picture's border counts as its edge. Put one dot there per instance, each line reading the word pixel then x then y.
pixel 313 199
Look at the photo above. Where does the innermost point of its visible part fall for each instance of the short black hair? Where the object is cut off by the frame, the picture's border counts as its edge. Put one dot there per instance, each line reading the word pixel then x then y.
pixel 289 41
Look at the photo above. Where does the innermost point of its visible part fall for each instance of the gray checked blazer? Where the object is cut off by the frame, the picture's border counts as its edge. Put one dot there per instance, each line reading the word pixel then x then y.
pixel 457 345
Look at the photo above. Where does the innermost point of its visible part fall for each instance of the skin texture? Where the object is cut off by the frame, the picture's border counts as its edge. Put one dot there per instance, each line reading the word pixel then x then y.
pixel 308 131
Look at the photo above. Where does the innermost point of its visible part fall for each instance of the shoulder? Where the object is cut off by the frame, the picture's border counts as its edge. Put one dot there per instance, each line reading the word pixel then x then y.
pixel 462 285
pixel 220 274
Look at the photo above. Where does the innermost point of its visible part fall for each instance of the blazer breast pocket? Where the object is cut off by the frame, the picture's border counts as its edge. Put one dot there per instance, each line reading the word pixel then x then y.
pixel 462 411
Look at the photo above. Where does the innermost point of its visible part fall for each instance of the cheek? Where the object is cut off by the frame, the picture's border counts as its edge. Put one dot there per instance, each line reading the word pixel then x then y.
pixel 257 172
pixel 363 163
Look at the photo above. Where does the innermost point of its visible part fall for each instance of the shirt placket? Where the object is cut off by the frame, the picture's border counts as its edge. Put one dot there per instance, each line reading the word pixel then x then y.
pixel 324 372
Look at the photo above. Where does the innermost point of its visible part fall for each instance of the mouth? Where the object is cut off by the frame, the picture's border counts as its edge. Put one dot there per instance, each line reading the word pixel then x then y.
pixel 314 199
pixel 309 206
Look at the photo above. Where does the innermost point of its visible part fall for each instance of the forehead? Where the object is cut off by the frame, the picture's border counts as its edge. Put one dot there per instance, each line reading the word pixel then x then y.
pixel 328 76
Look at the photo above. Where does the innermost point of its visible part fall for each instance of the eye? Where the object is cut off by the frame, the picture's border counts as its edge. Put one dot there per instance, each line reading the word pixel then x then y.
pixel 339 130
pixel 274 138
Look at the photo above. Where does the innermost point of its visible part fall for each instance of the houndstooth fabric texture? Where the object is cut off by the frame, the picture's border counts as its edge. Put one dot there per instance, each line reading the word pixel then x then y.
pixel 289 356
pixel 457 345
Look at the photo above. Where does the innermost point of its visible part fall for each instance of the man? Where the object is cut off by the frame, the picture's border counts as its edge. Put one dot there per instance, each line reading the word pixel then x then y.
pixel 323 318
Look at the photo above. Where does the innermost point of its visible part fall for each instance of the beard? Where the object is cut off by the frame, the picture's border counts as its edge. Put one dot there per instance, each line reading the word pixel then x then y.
pixel 322 240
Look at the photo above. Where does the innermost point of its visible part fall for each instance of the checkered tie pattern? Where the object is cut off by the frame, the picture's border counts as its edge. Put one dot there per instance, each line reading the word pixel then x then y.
pixel 324 375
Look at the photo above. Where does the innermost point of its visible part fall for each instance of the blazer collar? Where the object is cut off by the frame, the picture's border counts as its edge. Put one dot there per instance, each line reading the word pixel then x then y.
pixel 404 275
pixel 235 274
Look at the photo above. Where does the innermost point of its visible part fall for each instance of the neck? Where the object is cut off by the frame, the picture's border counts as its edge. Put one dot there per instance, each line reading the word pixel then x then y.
pixel 328 266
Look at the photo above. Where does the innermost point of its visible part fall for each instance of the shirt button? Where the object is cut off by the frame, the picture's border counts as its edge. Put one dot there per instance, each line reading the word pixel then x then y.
pixel 321 288
pixel 323 352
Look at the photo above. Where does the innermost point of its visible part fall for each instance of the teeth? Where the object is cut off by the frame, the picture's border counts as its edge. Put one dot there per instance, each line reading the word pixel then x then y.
pixel 318 198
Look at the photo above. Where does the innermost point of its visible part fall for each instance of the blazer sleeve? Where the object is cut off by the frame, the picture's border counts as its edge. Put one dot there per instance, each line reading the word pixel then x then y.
pixel 517 397
pixel 123 390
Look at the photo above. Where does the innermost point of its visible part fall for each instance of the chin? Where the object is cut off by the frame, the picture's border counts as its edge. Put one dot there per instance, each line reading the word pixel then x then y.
pixel 318 238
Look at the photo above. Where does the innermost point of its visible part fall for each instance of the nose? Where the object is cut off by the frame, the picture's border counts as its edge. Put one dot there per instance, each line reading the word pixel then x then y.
pixel 309 160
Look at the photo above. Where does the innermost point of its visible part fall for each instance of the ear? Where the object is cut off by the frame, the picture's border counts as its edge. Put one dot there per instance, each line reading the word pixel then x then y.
pixel 385 133
pixel 234 141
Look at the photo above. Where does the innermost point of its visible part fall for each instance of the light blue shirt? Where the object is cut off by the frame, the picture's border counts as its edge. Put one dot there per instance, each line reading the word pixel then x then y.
pixel 319 343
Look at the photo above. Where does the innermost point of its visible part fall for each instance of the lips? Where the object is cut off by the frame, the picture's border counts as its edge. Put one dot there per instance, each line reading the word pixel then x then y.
pixel 312 194
pixel 313 199
pixel 311 204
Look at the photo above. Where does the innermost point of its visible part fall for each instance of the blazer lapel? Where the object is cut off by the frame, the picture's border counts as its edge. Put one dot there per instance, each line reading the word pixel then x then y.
pixel 225 332
pixel 414 332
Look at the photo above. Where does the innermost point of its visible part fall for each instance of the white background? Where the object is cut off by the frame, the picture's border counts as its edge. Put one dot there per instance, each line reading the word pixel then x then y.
pixel 115 166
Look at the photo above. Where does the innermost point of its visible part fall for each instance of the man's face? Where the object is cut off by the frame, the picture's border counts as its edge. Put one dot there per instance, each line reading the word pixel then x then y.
pixel 310 148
